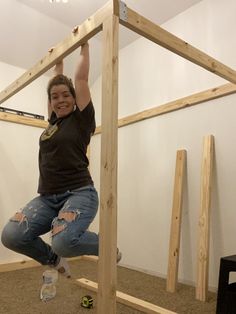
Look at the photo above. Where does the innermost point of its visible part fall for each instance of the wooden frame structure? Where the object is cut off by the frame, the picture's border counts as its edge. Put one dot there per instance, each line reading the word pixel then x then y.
pixel 107 19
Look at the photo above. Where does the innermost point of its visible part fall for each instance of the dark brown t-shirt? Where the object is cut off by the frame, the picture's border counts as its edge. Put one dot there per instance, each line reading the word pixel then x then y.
pixel 63 164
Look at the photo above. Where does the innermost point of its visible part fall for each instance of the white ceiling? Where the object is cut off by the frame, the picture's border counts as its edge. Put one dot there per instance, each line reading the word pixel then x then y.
pixel 76 11
pixel 30 27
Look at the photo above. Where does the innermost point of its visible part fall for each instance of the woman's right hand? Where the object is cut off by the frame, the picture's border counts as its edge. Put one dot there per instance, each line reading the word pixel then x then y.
pixel 58 69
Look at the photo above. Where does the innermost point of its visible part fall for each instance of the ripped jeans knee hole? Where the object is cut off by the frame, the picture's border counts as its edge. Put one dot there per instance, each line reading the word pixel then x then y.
pixel 67 217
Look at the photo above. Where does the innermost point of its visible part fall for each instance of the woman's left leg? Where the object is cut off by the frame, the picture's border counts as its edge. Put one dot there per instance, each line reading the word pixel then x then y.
pixel 22 232
pixel 70 235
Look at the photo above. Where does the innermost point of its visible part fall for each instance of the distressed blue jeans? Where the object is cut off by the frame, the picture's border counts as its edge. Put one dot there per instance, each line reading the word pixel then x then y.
pixel 68 214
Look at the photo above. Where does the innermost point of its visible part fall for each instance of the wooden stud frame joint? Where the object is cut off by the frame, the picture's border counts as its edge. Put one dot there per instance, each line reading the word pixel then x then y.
pixel 123 11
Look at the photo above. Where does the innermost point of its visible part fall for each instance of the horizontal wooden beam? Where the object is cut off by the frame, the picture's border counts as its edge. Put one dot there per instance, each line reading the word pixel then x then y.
pixel 192 100
pixel 5 267
pixel 90 258
pixel 11 117
pixel 195 99
pixel 18 265
pixel 126 299
pixel 88 29
pixel 158 35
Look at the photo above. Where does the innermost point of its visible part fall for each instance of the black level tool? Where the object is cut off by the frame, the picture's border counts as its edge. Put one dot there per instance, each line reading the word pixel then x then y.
pixel 22 113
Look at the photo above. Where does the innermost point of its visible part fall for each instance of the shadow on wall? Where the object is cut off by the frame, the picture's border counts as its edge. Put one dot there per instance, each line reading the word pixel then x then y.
pixel 11 184
pixel 186 230
pixel 216 244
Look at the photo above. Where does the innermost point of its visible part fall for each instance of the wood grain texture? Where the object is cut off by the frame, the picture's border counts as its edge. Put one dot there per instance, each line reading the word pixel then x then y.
pixel 126 299
pixel 107 268
pixel 204 219
pixel 158 35
pixel 174 246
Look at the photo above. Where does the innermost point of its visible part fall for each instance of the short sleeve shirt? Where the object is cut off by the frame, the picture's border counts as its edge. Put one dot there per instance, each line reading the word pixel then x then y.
pixel 63 164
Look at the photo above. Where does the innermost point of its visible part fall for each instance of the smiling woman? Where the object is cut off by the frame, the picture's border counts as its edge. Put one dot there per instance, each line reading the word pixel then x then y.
pixel 62 101
pixel 61 96
pixel 67 200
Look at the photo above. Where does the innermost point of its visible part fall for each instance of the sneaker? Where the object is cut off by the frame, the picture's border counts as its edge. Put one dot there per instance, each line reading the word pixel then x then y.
pixel 63 267
pixel 118 256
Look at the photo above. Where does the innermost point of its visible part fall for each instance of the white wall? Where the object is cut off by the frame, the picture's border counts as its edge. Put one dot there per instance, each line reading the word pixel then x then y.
pixel 31 37
pixel 19 150
pixel 151 76
pixel 19 143
pixel 34 33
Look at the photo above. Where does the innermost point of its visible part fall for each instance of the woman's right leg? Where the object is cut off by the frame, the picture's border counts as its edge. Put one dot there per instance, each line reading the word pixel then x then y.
pixel 22 233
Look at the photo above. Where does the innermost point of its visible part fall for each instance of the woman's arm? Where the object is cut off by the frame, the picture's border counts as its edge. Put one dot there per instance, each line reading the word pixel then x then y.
pixel 81 78
pixel 58 69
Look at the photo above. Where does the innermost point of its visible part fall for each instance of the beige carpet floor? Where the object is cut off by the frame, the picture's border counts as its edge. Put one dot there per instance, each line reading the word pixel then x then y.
pixel 19 292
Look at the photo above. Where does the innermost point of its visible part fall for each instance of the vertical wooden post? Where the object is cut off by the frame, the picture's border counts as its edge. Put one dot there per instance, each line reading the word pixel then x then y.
pixel 116 7
pixel 174 245
pixel 107 268
pixel 204 219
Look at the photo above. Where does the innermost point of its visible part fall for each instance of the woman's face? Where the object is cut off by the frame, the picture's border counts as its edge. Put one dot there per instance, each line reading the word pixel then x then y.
pixel 62 101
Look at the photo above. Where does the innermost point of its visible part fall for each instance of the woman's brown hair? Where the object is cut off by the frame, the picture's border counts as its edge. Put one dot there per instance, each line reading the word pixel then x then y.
pixel 60 80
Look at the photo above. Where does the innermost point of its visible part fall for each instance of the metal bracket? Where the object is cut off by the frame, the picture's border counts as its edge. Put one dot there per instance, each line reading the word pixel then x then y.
pixel 123 11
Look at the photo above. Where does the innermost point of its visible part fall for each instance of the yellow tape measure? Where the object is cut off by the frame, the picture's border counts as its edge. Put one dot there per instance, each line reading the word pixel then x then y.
pixel 87 301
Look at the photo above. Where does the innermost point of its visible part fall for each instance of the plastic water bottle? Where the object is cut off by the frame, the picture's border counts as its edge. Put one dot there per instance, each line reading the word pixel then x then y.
pixel 48 290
